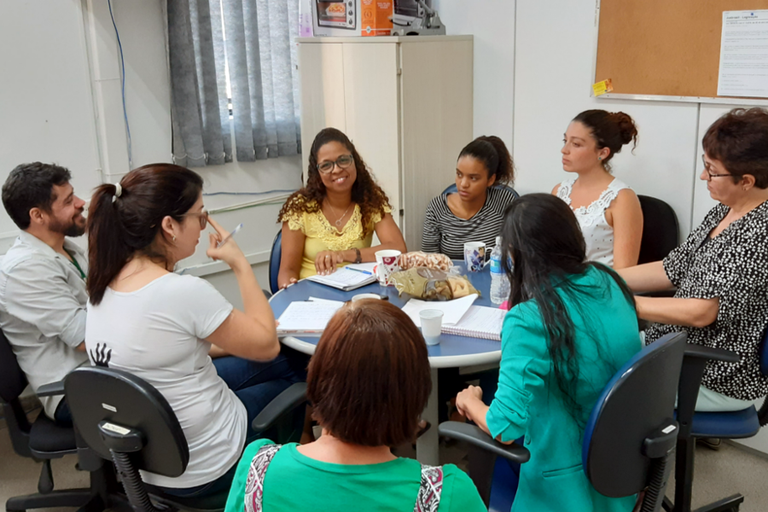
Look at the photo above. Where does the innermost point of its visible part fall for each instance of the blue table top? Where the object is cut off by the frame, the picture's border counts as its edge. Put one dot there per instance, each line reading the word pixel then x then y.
pixel 452 351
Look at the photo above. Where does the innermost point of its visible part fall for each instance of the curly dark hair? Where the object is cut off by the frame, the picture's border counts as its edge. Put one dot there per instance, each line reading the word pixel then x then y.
pixel 365 191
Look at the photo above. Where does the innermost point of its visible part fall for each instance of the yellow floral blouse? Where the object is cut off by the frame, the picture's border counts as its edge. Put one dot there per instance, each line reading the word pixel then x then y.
pixel 322 236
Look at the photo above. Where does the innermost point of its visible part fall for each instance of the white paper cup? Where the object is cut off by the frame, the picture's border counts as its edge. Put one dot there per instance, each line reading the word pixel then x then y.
pixel 388 262
pixel 361 296
pixel 431 324
pixel 474 256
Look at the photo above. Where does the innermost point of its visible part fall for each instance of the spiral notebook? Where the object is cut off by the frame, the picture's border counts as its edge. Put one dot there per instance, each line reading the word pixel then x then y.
pixel 348 278
pixel 479 322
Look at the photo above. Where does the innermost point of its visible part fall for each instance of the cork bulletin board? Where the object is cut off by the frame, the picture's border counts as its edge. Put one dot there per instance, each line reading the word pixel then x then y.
pixel 663 47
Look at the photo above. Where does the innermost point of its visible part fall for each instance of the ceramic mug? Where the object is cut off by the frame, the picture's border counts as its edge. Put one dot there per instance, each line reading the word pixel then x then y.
pixel 474 256
pixel 388 262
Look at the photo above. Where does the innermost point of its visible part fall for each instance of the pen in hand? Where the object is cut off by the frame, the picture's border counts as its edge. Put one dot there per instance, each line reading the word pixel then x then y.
pixel 237 228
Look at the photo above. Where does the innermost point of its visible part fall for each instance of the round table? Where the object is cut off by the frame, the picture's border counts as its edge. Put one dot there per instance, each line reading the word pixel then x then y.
pixel 452 351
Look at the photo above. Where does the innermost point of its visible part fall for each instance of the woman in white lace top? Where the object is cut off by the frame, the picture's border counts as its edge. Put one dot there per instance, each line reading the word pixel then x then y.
pixel 608 211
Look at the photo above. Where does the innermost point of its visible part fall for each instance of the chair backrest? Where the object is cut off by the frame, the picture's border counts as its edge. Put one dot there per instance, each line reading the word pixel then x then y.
pixel 12 379
pixel 97 395
pixel 274 261
pixel 634 405
pixel 660 229
pixel 450 189
pixel 12 384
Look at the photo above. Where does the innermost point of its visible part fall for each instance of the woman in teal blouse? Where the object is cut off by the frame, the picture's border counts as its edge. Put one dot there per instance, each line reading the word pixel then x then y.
pixel 572 325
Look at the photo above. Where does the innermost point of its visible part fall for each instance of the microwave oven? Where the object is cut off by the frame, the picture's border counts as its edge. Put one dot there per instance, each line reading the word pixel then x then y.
pixel 342 17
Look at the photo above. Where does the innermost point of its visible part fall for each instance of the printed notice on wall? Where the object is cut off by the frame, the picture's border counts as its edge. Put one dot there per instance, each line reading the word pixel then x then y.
pixel 744 54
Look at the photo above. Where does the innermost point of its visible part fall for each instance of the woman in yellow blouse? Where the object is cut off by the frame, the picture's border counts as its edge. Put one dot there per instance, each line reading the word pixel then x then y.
pixel 330 222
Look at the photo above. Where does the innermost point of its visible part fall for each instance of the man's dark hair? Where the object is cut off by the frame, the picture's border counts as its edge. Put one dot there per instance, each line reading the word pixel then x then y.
pixel 31 186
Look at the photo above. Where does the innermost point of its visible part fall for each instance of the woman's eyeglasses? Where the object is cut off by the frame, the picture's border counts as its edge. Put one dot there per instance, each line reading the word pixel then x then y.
pixel 343 162
pixel 202 217
pixel 711 174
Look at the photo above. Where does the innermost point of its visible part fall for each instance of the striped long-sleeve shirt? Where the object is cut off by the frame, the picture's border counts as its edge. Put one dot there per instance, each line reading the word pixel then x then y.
pixel 446 233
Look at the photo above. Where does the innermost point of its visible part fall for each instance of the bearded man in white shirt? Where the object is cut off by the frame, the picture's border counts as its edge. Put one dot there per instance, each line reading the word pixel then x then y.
pixel 42 279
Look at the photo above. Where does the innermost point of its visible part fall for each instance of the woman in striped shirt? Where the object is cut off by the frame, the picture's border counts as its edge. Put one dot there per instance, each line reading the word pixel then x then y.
pixel 475 212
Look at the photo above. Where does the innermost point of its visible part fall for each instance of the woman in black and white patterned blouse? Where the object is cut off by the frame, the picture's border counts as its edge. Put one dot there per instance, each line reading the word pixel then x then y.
pixel 475 212
pixel 721 270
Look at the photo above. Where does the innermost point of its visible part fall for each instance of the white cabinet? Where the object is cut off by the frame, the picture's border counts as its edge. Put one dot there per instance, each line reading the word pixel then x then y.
pixel 406 104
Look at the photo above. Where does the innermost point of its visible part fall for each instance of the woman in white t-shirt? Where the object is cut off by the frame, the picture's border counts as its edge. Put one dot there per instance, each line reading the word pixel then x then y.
pixel 161 326
pixel 608 211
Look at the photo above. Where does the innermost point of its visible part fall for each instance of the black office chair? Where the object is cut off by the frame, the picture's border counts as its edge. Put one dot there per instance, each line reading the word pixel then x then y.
pixel 274 261
pixel 627 440
pixel 723 425
pixel 660 229
pixel 43 440
pixel 126 420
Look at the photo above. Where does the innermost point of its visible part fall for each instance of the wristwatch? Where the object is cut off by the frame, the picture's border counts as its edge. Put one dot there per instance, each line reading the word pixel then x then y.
pixel 358 256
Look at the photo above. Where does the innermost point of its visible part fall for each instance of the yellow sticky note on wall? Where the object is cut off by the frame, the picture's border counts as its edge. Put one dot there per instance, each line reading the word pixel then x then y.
pixel 602 87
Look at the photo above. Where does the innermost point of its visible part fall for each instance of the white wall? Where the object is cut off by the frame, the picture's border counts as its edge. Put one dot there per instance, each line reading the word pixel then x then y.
pixel 46 105
pixel 492 23
pixel 554 70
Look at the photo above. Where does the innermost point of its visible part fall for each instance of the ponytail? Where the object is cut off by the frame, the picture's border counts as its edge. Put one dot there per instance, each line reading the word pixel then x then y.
pixel 107 251
pixel 125 219
pixel 493 153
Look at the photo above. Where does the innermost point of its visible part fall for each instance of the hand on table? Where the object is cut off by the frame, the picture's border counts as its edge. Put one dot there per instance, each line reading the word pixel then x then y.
pixel 291 281
pixel 326 261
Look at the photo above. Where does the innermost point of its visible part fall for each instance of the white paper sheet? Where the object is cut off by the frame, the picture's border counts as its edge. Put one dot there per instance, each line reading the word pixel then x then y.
pixel 452 310
pixel 307 317
pixel 744 54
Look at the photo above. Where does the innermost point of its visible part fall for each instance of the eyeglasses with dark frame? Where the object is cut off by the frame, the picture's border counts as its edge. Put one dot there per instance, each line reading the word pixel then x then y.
pixel 707 168
pixel 343 162
pixel 202 217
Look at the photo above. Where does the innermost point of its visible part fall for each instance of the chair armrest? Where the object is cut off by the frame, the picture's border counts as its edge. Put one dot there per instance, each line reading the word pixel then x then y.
pixel 281 405
pixel 762 413
pixel 659 293
pixel 472 435
pixel 715 354
pixel 51 389
pixel 694 362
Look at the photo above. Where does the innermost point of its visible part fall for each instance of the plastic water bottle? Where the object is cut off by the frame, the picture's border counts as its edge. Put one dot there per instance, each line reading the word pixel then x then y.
pixel 499 281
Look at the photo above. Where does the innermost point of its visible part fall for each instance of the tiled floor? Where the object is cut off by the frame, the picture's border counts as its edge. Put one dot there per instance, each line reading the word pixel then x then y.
pixel 718 473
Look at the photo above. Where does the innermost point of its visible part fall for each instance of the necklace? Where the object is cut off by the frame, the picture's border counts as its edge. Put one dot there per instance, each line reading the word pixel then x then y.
pixel 339 219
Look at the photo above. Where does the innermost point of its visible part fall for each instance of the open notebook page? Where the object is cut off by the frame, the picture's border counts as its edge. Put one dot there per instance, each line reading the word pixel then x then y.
pixel 307 317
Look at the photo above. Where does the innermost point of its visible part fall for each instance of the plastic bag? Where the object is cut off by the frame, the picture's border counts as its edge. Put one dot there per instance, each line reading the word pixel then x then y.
pixel 431 284
pixel 422 259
